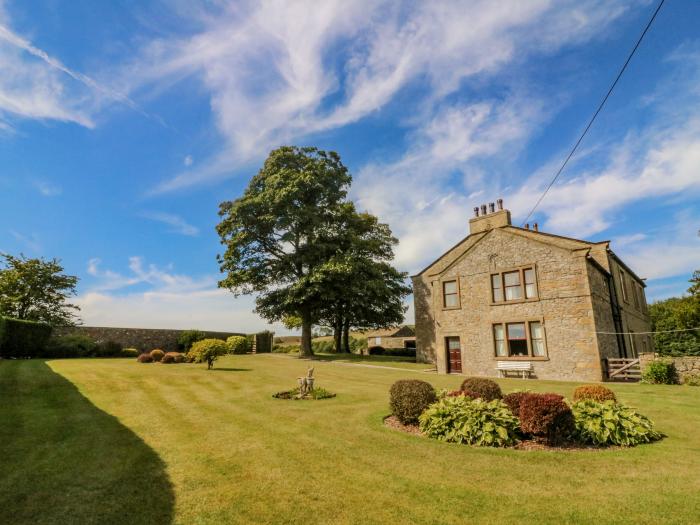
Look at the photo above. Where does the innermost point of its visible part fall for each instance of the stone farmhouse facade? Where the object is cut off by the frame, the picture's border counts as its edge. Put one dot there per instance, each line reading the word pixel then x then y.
pixel 510 294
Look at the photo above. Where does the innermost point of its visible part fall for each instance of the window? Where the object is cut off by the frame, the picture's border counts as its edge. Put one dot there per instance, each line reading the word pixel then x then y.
pixel 497 288
pixel 537 339
pixel 450 295
pixel 500 340
pixel 530 285
pixel 520 339
pixel 623 285
pixel 514 285
pixel 635 294
pixel 377 340
pixel 517 339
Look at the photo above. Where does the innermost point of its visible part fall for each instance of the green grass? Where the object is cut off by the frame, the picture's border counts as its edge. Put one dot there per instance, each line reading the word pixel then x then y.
pixel 114 441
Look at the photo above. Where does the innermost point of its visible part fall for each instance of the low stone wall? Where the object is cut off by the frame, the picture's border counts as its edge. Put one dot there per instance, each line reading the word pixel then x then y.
pixel 142 338
pixel 685 366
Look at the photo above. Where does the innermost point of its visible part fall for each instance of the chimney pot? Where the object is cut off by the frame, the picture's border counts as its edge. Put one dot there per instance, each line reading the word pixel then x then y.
pixel 499 202
pixel 535 227
pixel 492 207
pixel 483 209
pixel 527 225
pixel 476 211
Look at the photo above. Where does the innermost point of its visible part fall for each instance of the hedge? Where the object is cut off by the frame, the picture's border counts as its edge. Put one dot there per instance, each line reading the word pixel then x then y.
pixel 20 338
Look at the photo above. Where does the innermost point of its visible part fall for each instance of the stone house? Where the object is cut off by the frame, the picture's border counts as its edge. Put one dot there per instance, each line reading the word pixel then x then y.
pixel 394 337
pixel 505 295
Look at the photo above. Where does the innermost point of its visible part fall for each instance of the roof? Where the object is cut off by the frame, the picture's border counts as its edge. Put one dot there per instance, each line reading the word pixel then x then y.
pixel 561 241
pixel 394 331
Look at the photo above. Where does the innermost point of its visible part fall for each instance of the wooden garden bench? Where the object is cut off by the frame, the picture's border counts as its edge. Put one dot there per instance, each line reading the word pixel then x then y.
pixel 524 367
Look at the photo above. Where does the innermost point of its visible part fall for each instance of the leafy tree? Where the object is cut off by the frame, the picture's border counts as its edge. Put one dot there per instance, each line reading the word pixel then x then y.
pixel 678 313
pixel 361 288
pixel 278 234
pixel 36 290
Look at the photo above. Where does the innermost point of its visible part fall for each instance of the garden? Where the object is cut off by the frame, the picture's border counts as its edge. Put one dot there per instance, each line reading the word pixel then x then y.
pixel 94 440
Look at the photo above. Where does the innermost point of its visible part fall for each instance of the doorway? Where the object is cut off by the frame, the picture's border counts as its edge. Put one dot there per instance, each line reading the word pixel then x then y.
pixel 454 355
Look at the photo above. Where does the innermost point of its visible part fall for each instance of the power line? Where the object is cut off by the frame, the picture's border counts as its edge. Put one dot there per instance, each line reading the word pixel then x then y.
pixel 595 115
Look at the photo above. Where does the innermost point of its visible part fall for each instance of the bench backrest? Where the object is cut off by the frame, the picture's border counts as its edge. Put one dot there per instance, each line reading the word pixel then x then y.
pixel 514 365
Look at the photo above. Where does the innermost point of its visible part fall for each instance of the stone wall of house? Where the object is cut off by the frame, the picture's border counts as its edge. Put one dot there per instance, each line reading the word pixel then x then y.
pixel 141 338
pixel 685 366
pixel 563 306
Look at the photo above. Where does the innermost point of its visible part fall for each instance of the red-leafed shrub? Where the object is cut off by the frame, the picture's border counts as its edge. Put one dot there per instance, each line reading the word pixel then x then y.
pixel 157 354
pixel 144 358
pixel 547 418
pixel 513 401
pixel 173 357
pixel 594 392
pixel 484 388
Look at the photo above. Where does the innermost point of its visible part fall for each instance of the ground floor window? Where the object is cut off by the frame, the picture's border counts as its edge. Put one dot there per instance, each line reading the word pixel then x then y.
pixel 519 339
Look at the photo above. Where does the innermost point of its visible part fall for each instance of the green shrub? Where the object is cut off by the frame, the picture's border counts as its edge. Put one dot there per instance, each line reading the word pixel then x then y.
pixel 609 423
pixel 157 354
pixel 487 389
pixel 20 338
pixel 594 392
pixel 660 372
pixel 72 345
pixel 461 419
pixel 237 344
pixel 692 380
pixel 108 349
pixel 188 338
pixel 207 351
pixel 513 401
pixel 546 417
pixel 145 358
pixel 129 352
pixel 358 344
pixel 409 398
pixel 326 346
pixel 376 350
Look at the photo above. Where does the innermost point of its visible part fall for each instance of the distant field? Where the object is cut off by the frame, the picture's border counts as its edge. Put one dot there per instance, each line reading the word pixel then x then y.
pixel 115 441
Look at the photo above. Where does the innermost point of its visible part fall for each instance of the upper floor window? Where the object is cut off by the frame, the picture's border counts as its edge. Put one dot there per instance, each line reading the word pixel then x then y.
pixel 623 285
pixel 514 285
pixel 450 294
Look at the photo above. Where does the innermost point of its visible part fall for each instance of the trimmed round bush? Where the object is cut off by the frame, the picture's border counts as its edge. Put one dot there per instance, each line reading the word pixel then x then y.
pixel 609 423
pixel 547 418
pixel 157 354
pixel 460 419
pixel 145 358
pixel 237 344
pixel 485 388
pixel 129 352
pixel 207 351
pixel 513 401
pixel 409 398
pixel 176 356
pixel 167 359
pixel 595 392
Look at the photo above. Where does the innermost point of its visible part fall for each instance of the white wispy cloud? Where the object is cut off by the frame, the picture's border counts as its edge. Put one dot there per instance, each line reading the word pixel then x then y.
pixel 178 224
pixel 31 241
pixel 46 188
pixel 268 69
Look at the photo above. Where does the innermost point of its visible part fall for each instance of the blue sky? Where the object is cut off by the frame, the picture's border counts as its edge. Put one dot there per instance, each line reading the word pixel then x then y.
pixel 124 124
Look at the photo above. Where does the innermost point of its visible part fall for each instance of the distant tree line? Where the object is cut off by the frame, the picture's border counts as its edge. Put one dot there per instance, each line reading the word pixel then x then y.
pixel 681 314
pixel 311 258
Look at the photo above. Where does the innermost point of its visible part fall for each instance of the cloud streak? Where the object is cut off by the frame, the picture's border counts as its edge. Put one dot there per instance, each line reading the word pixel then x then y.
pixel 177 223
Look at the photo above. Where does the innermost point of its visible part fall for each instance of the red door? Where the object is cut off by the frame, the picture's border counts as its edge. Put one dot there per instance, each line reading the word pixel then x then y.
pixel 454 355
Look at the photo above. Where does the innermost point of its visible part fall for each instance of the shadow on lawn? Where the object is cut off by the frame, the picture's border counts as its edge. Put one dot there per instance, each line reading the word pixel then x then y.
pixel 224 369
pixel 63 460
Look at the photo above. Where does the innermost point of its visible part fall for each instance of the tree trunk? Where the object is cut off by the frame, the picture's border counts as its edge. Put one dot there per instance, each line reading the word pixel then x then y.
pixel 305 350
pixel 337 334
pixel 346 336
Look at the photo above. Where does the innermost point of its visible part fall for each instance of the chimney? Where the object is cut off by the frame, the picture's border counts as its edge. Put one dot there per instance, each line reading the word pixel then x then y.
pixel 527 225
pixel 535 227
pixel 486 217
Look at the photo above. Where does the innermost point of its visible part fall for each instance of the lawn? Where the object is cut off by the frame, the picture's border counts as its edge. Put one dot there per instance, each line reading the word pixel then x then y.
pixel 114 441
